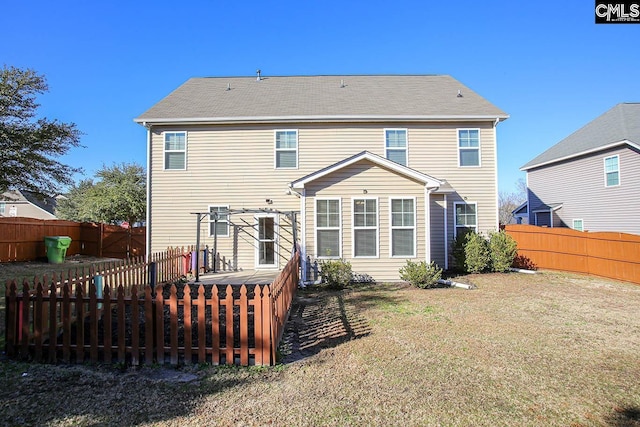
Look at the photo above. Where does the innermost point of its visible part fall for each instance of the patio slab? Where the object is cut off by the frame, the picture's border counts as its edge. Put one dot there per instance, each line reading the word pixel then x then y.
pixel 251 277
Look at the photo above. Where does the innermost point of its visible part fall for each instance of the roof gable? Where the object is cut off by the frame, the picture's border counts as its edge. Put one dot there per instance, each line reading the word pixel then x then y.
pixel 321 98
pixel 428 181
pixel 618 126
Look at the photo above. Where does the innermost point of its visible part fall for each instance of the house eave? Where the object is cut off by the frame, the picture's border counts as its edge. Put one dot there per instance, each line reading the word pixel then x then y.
pixel 581 153
pixel 319 119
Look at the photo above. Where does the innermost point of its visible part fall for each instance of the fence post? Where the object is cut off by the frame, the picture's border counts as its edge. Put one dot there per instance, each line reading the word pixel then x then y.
pixel 153 274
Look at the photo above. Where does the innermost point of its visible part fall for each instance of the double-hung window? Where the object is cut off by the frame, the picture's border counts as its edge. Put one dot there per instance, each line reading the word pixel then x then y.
pixel 219 221
pixel 466 217
pixel 175 150
pixel 328 223
pixel 365 227
pixel 469 147
pixel 395 145
pixel 286 149
pixel 612 171
pixel 403 227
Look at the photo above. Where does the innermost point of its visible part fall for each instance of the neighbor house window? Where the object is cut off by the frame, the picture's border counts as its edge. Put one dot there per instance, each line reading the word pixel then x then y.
pixel 286 149
pixel 396 145
pixel 3 206
pixel 611 171
pixel 219 221
pixel 466 218
pixel 328 228
pixel 365 227
pixel 469 147
pixel 175 150
pixel 578 224
pixel 403 227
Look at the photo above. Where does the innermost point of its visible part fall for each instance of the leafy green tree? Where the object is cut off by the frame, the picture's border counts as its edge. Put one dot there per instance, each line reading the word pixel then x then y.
pixel 30 147
pixel 119 194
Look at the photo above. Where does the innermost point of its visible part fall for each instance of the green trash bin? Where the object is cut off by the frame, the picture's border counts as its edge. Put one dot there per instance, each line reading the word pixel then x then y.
pixel 56 248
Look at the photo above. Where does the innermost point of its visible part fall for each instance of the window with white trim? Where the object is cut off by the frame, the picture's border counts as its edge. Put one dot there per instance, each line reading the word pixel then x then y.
pixel 469 147
pixel 578 224
pixel 328 222
pixel 219 221
pixel 403 227
pixel 365 228
pixel 612 171
pixel 3 207
pixel 286 149
pixel 466 217
pixel 175 150
pixel 395 145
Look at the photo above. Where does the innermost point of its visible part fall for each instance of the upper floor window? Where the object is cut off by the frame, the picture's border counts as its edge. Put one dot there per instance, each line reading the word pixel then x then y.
pixel 286 149
pixel 328 228
pixel 219 221
pixel 469 147
pixel 466 217
pixel 395 145
pixel 175 150
pixel 403 228
pixel 611 171
pixel 365 227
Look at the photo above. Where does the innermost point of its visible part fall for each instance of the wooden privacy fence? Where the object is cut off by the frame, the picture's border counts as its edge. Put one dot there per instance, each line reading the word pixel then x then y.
pixel 610 255
pixel 164 324
pixel 22 239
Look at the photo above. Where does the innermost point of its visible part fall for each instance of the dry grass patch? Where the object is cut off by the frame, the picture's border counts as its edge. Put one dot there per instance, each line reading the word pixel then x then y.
pixel 548 349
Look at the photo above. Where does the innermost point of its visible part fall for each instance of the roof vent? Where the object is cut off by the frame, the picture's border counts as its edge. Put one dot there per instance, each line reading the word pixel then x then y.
pixel 459 94
pixel 259 77
pixel 342 83
pixel 228 86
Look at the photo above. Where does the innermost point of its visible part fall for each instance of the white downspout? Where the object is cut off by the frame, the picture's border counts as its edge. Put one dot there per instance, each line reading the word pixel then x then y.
pixel 495 171
pixel 303 235
pixel 148 216
pixel 446 235
pixel 427 223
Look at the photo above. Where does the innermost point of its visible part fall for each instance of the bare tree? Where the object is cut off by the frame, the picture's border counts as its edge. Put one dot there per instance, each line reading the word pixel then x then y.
pixel 508 202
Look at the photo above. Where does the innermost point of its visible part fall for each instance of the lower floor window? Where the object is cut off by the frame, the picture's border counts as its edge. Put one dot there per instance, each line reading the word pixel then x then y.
pixel 466 218
pixel 365 227
pixel 403 228
pixel 578 225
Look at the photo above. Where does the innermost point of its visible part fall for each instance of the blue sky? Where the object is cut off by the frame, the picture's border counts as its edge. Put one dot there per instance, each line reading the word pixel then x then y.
pixel 546 64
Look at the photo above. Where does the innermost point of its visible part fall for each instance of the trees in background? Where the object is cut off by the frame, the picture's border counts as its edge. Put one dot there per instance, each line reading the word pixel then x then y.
pixel 30 147
pixel 508 202
pixel 118 195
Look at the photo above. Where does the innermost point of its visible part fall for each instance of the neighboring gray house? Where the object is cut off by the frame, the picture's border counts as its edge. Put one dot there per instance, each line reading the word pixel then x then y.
pixel 372 169
pixel 590 181
pixel 26 204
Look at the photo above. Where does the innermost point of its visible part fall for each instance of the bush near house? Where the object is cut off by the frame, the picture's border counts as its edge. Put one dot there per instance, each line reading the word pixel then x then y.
pixel 420 274
pixel 336 274
pixel 474 253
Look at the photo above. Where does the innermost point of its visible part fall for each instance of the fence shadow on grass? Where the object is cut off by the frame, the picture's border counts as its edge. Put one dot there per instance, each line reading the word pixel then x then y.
pixel 626 416
pixel 323 319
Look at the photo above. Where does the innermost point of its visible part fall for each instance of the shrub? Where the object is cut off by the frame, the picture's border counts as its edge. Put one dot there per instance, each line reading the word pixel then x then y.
pixel 336 273
pixel 420 274
pixel 457 252
pixel 476 253
pixel 503 251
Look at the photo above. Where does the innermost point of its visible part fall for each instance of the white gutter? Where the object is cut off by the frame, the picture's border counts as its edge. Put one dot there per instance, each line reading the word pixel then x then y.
pixel 495 172
pixel 316 118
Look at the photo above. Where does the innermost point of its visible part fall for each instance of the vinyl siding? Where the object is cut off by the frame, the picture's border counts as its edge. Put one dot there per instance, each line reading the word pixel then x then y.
pixel 234 166
pixel 579 186
pixel 27 210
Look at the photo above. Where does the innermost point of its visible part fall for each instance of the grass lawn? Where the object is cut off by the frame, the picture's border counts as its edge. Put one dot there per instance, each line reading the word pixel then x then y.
pixel 526 350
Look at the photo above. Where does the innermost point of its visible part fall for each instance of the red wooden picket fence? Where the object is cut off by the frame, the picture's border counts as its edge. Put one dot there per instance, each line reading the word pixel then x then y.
pixel 136 324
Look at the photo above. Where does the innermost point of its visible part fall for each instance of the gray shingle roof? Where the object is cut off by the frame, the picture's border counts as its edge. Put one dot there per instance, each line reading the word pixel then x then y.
pixel 621 123
pixel 320 98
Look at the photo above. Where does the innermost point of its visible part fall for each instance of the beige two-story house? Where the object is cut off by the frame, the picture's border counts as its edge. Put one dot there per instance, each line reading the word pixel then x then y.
pixel 374 169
